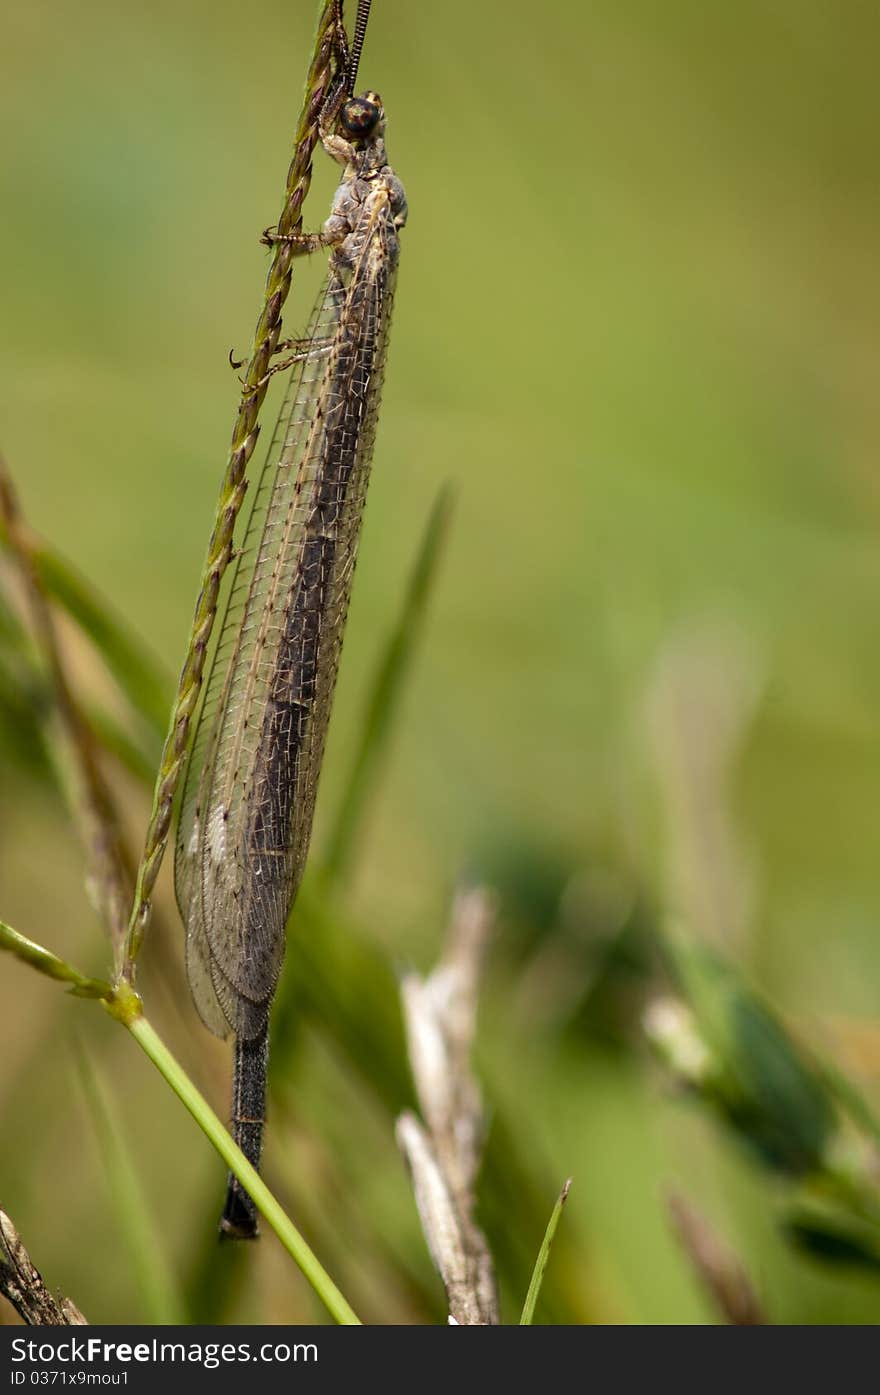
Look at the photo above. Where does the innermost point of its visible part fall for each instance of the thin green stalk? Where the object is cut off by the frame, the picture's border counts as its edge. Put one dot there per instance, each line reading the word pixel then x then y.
pixel 207 1120
pixel 124 1004
pixel 528 1311
pixel 232 491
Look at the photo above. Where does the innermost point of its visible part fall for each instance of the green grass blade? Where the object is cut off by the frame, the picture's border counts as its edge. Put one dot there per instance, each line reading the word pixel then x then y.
pixel 25 698
pixel 528 1311
pixel 387 687
pixel 45 962
pixel 21 742
pixel 140 1234
pixel 73 749
pixel 142 679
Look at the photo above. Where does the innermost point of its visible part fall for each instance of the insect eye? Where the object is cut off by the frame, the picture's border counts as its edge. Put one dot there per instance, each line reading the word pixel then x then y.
pixel 360 116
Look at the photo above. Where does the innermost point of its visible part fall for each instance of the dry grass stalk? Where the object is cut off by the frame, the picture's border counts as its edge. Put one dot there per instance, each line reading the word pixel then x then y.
pixel 443 1154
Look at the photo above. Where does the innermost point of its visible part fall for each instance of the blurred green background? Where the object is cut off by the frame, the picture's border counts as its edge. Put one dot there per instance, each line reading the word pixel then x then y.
pixel 637 327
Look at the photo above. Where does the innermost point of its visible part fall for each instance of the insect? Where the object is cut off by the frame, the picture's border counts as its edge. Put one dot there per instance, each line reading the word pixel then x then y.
pixel 249 796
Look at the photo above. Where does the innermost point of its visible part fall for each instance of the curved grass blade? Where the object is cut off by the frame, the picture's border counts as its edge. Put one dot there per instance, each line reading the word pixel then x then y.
pixel 387 689
pixel 528 1311
pixel 22 703
pixel 25 701
pixel 138 674
pixel 142 679
pixel 71 741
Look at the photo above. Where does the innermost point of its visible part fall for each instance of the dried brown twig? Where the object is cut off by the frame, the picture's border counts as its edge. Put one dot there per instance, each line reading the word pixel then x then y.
pixel 22 1283
pixel 443 1154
